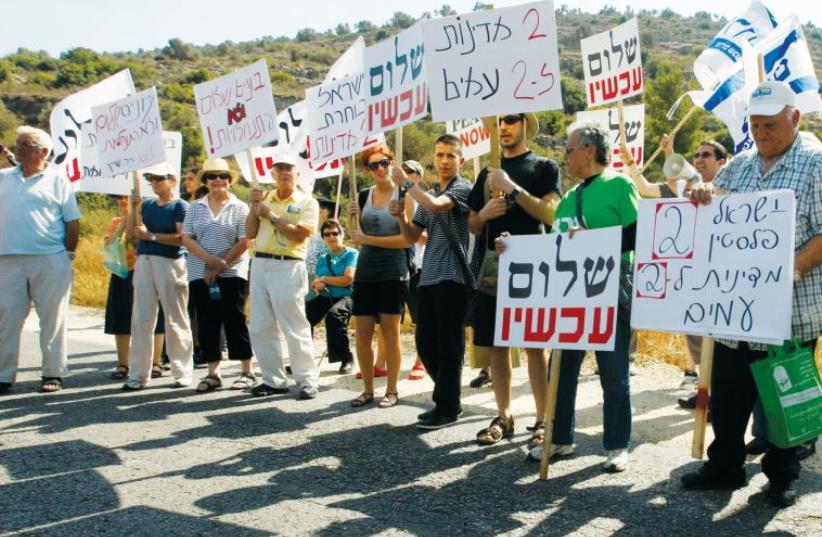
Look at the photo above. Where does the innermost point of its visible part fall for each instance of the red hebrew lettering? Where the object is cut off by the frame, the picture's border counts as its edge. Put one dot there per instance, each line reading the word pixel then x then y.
pixel 73 170
pixel 596 336
pixel 518 315
pixel 573 313
pixel 422 99
pixel 613 88
pixel 407 96
pixel 540 332
pixel 389 109
pixel 592 92
pixel 506 323
pixel 626 76
pixel 636 77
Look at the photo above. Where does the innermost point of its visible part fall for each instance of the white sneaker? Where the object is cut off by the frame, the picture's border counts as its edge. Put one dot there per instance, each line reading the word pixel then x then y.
pixel 182 382
pixel 557 450
pixel 690 381
pixel 617 460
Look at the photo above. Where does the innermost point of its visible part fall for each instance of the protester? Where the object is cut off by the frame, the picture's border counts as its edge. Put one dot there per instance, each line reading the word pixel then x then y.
pixel 193 188
pixel 334 276
pixel 317 246
pixel 159 276
pixel 782 159
pixel 282 221
pixel 120 301
pixel 214 235
pixel 603 198
pixel 527 189
pixel 440 334
pixel 39 223
pixel 381 280
pixel 415 172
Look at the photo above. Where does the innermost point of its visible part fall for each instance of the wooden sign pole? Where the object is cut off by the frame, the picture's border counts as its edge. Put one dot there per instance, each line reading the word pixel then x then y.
pixel 703 390
pixel 353 224
pixel 550 408
pixel 492 124
pixel 339 190
pixel 135 179
pixel 673 132
pixel 252 169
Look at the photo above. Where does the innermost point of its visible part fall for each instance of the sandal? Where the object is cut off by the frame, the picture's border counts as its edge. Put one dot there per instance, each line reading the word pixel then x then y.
pixel 390 399
pixel 417 372
pixel 537 435
pixel 120 372
pixel 209 384
pixel 363 399
pixel 244 382
pixel 156 371
pixel 51 384
pixel 498 430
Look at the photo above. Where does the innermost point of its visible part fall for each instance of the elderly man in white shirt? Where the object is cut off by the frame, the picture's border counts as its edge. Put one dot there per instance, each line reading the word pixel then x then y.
pixel 39 228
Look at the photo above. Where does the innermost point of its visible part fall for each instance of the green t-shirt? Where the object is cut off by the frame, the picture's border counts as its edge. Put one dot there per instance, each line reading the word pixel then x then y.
pixel 610 199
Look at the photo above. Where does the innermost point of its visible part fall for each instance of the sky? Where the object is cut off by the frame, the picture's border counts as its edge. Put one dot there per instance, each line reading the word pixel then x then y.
pixel 111 26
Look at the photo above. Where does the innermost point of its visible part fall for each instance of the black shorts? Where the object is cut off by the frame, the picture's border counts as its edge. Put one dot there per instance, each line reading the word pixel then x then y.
pixel 373 298
pixel 118 307
pixel 484 319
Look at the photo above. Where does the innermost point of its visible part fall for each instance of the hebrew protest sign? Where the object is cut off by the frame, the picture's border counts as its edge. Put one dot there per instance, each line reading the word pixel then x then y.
pixel 237 111
pixel 559 292
pixel 723 269
pixel 493 62
pixel 337 118
pixel 121 184
pixel 612 64
pixel 634 130
pixel 397 84
pixel 129 133
pixel 474 137
pixel 69 115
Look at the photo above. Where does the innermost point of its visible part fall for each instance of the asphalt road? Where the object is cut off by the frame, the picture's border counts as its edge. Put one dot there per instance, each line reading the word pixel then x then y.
pixel 93 460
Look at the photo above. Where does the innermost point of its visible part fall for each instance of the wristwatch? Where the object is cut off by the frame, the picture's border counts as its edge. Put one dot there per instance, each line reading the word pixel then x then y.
pixel 797 276
pixel 273 219
pixel 408 184
pixel 514 193
pixel 153 237
pixel 72 254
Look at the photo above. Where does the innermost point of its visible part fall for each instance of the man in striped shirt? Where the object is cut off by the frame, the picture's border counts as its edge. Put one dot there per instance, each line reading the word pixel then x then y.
pixel 440 335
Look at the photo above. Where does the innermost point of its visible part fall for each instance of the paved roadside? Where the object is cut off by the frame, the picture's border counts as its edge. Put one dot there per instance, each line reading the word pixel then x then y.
pixel 93 460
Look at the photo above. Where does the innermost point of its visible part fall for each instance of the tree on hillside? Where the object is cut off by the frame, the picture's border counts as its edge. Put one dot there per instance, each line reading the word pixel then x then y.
pixel 180 50
pixel 342 29
pixel 402 20
pixel 446 11
pixel 365 27
pixel 306 34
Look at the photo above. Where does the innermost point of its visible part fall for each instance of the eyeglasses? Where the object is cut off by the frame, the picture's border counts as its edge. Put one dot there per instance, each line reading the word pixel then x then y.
pixel 704 154
pixel 327 234
pixel 151 178
pixel 373 166
pixel 27 145
pixel 210 176
pixel 512 119
pixel 570 148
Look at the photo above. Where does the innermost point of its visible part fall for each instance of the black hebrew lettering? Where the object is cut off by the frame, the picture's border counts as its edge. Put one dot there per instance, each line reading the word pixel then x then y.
pixel 544 268
pixel 630 49
pixel 593 289
pixel 598 69
pixel 517 269
pixel 565 266
pixel 617 48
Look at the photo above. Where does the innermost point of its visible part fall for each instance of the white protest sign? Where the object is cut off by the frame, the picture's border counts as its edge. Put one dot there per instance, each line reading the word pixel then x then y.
pixel 121 184
pixel 634 130
pixel 559 292
pixel 337 118
pixel 129 133
pixel 70 114
pixel 612 64
pixel 237 111
pixel 397 83
pixel 493 62
pixel 474 137
pixel 723 269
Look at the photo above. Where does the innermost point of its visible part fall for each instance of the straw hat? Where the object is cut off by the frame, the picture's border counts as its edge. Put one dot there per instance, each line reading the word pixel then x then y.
pixel 217 165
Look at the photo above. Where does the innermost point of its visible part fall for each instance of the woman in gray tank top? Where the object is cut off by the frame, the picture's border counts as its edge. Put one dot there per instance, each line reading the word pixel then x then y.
pixel 381 278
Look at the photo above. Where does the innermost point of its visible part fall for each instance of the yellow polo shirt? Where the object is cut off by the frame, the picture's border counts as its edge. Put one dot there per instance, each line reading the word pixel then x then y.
pixel 299 209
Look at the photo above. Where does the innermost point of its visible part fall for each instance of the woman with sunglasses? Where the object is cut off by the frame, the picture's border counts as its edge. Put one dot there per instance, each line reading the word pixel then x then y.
pixel 214 234
pixel 334 276
pixel 381 281
pixel 159 275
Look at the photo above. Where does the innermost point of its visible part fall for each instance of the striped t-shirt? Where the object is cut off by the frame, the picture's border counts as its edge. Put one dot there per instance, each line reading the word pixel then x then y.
pixel 217 234
pixel 441 262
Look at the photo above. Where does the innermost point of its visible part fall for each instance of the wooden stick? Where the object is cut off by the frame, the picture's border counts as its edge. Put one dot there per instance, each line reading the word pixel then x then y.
pixel 706 361
pixel 550 408
pixel 398 146
pixel 136 190
pixel 476 168
pixel 622 136
pixel 252 168
pixel 339 191
pixel 673 132
pixel 760 63
pixel 492 124
pixel 353 224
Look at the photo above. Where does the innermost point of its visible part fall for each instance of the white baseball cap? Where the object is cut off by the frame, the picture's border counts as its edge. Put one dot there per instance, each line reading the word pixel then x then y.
pixel 769 98
pixel 162 169
pixel 284 158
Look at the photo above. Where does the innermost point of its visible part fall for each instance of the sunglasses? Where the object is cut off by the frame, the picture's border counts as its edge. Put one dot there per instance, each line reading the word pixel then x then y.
pixel 151 178
pixel 373 166
pixel 331 234
pixel 512 119
pixel 210 176
pixel 704 154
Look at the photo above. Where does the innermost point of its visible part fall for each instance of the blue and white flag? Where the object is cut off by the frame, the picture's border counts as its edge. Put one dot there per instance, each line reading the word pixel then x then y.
pixel 721 57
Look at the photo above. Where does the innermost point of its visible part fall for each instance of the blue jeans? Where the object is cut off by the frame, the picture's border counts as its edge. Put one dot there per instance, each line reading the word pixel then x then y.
pixel 614 378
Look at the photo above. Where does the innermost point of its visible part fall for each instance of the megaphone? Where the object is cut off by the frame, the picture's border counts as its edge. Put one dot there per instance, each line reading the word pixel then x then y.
pixel 677 168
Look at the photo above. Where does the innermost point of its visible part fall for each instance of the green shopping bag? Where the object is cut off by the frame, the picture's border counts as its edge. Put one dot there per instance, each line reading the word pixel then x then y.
pixel 791 394
pixel 114 257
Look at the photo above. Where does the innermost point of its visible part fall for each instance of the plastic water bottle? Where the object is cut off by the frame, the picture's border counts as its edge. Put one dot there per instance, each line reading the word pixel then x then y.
pixel 214 291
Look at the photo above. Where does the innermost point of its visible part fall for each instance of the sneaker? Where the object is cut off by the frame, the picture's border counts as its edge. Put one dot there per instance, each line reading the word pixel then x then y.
pixel 132 386
pixel 557 451
pixel 481 380
pixel 436 421
pixel 182 383
pixel 345 368
pixel 688 403
pixel 805 450
pixel 703 479
pixel 755 447
pixel 308 392
pixel 690 380
pixel 428 413
pixel 617 460
pixel 781 496
pixel 264 390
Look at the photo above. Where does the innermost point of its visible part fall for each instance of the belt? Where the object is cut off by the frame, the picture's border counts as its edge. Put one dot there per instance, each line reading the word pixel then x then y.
pixel 264 255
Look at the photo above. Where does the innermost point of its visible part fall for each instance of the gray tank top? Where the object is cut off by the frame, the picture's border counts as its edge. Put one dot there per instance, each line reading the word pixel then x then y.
pixel 377 264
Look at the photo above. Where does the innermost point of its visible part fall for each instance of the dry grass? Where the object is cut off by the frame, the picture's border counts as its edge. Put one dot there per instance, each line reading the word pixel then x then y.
pixel 90 277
